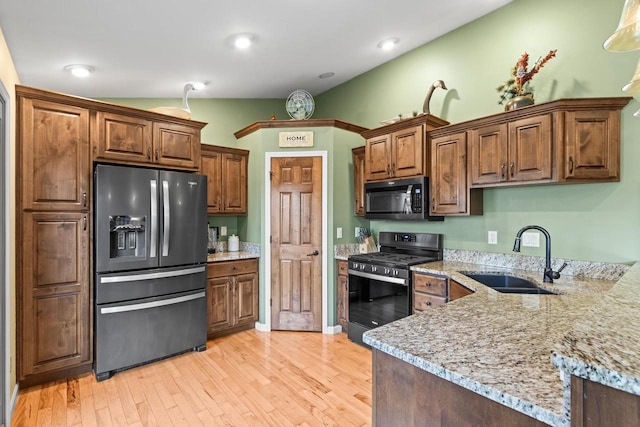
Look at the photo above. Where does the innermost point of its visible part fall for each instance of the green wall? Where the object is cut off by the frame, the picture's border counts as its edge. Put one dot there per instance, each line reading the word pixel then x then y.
pixel 596 222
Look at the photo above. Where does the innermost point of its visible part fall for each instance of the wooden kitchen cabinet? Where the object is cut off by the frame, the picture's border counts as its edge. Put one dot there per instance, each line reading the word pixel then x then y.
pixel 232 296
pixel 517 151
pixel 400 399
pixel 226 171
pixel 343 294
pixel 54 310
pixel 127 138
pixel 53 223
pixel 358 154
pixel 55 172
pixel 398 150
pixel 597 405
pixel 431 290
pixel 450 194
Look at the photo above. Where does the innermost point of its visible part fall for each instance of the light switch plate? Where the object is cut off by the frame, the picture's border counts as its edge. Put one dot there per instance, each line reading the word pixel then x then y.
pixel 492 237
pixel 223 230
pixel 339 232
pixel 531 239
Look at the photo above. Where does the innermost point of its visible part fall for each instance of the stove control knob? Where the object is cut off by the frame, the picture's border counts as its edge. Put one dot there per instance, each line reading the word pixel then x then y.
pixel 395 272
pixel 354 265
pixel 362 266
pixel 387 271
pixel 374 268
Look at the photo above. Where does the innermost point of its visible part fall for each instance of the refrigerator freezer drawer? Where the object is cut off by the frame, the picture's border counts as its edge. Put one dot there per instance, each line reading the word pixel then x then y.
pixel 136 332
pixel 116 287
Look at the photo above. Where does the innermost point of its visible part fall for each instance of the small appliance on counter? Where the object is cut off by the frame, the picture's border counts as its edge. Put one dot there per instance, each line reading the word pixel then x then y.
pixel 233 243
pixel 212 240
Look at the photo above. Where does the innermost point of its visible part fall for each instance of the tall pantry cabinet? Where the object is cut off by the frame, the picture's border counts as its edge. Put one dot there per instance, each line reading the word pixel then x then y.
pixel 53 229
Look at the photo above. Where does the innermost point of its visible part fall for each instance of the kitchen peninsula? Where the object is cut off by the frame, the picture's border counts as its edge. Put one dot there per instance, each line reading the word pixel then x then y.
pixel 490 358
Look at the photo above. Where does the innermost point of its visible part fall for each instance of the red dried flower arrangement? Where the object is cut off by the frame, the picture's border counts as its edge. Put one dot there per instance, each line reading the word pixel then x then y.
pixel 518 84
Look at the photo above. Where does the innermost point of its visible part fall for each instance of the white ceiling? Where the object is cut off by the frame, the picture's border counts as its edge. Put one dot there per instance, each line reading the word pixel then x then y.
pixel 151 48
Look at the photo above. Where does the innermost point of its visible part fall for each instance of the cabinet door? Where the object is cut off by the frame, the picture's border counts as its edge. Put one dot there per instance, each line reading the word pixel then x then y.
pixel 377 158
pixel 54 326
pixel 448 178
pixel 211 166
pixel 488 154
pixel 123 138
pixel 592 145
pixel 176 145
pixel 407 152
pixel 343 294
pixel 246 299
pixel 358 180
pixel 54 156
pixel 234 183
pixel 530 149
pixel 219 307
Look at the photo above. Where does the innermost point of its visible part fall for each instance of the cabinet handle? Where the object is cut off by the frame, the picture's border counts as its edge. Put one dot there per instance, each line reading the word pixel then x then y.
pixel 428 284
pixel 157 154
pixel 427 303
pixel 84 199
pixel 570 165
pixel 512 166
pixel 84 223
pixel 148 153
pixel 503 166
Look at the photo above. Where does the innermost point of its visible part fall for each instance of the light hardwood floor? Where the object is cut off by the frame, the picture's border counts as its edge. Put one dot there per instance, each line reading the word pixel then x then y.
pixel 246 379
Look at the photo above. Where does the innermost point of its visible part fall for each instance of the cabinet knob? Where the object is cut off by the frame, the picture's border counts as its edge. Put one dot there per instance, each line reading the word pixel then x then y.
pixel 503 166
pixel 84 199
pixel 157 154
pixel 512 166
pixel 149 153
pixel 428 303
pixel 84 223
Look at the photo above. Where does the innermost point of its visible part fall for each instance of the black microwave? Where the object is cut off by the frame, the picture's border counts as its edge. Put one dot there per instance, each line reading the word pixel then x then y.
pixel 399 199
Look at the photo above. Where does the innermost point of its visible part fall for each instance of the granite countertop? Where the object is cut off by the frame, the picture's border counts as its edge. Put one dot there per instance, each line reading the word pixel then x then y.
pixel 232 256
pixel 500 345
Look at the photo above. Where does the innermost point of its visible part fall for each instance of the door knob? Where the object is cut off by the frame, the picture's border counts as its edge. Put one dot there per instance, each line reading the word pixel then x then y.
pixel 314 253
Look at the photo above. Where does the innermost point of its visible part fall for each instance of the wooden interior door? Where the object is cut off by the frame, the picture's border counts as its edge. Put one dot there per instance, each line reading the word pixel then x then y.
pixel 296 244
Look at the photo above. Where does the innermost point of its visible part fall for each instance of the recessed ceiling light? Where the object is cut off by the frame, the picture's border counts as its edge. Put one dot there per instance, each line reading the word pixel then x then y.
pixel 388 44
pixel 79 70
pixel 242 41
pixel 326 75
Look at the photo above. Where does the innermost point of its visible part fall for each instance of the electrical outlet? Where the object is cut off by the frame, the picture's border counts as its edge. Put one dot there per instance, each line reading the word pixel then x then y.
pixel 531 239
pixel 492 237
pixel 223 230
pixel 339 232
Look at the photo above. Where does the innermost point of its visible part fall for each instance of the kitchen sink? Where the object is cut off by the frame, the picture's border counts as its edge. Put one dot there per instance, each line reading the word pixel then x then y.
pixel 508 284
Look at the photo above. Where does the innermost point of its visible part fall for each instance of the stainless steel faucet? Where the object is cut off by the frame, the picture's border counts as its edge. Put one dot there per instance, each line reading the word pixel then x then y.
pixel 549 274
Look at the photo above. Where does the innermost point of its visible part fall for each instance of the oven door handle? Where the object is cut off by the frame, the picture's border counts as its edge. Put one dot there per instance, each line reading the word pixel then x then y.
pixel 396 280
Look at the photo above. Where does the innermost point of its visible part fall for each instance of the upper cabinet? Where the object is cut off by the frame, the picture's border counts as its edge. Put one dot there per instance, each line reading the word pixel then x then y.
pixel 133 139
pixel 53 155
pixel 358 180
pixel 399 150
pixel 226 171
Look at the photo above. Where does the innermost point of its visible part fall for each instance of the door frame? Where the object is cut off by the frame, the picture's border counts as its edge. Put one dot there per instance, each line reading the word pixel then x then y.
pixel 5 251
pixel 266 309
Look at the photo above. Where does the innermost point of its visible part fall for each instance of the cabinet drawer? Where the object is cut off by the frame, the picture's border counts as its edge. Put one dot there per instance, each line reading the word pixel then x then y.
pixel 423 301
pixel 431 284
pixel 343 268
pixel 231 268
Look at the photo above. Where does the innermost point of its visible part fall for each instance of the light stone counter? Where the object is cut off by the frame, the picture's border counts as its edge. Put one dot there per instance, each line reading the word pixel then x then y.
pixel 247 250
pixel 500 345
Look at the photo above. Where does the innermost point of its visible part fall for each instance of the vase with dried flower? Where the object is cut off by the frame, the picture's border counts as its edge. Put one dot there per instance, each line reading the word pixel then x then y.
pixel 516 91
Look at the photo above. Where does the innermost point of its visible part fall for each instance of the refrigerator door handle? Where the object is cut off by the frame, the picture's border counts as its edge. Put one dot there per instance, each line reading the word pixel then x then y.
pixel 153 243
pixel 153 304
pixel 153 276
pixel 167 218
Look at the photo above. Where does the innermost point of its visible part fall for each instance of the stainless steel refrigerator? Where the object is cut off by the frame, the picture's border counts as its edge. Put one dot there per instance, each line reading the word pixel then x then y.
pixel 150 261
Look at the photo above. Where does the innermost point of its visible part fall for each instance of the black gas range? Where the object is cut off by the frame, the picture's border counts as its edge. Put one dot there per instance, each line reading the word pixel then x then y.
pixel 380 282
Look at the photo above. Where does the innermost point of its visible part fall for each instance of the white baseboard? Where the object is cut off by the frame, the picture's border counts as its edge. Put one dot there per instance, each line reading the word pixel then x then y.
pixel 332 330
pixel 12 404
pixel 261 327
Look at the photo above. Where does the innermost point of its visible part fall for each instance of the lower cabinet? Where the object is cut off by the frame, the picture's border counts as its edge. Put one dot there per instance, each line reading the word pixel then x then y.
pixel 431 290
pixel 343 294
pixel 54 328
pixel 597 405
pixel 404 395
pixel 232 296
